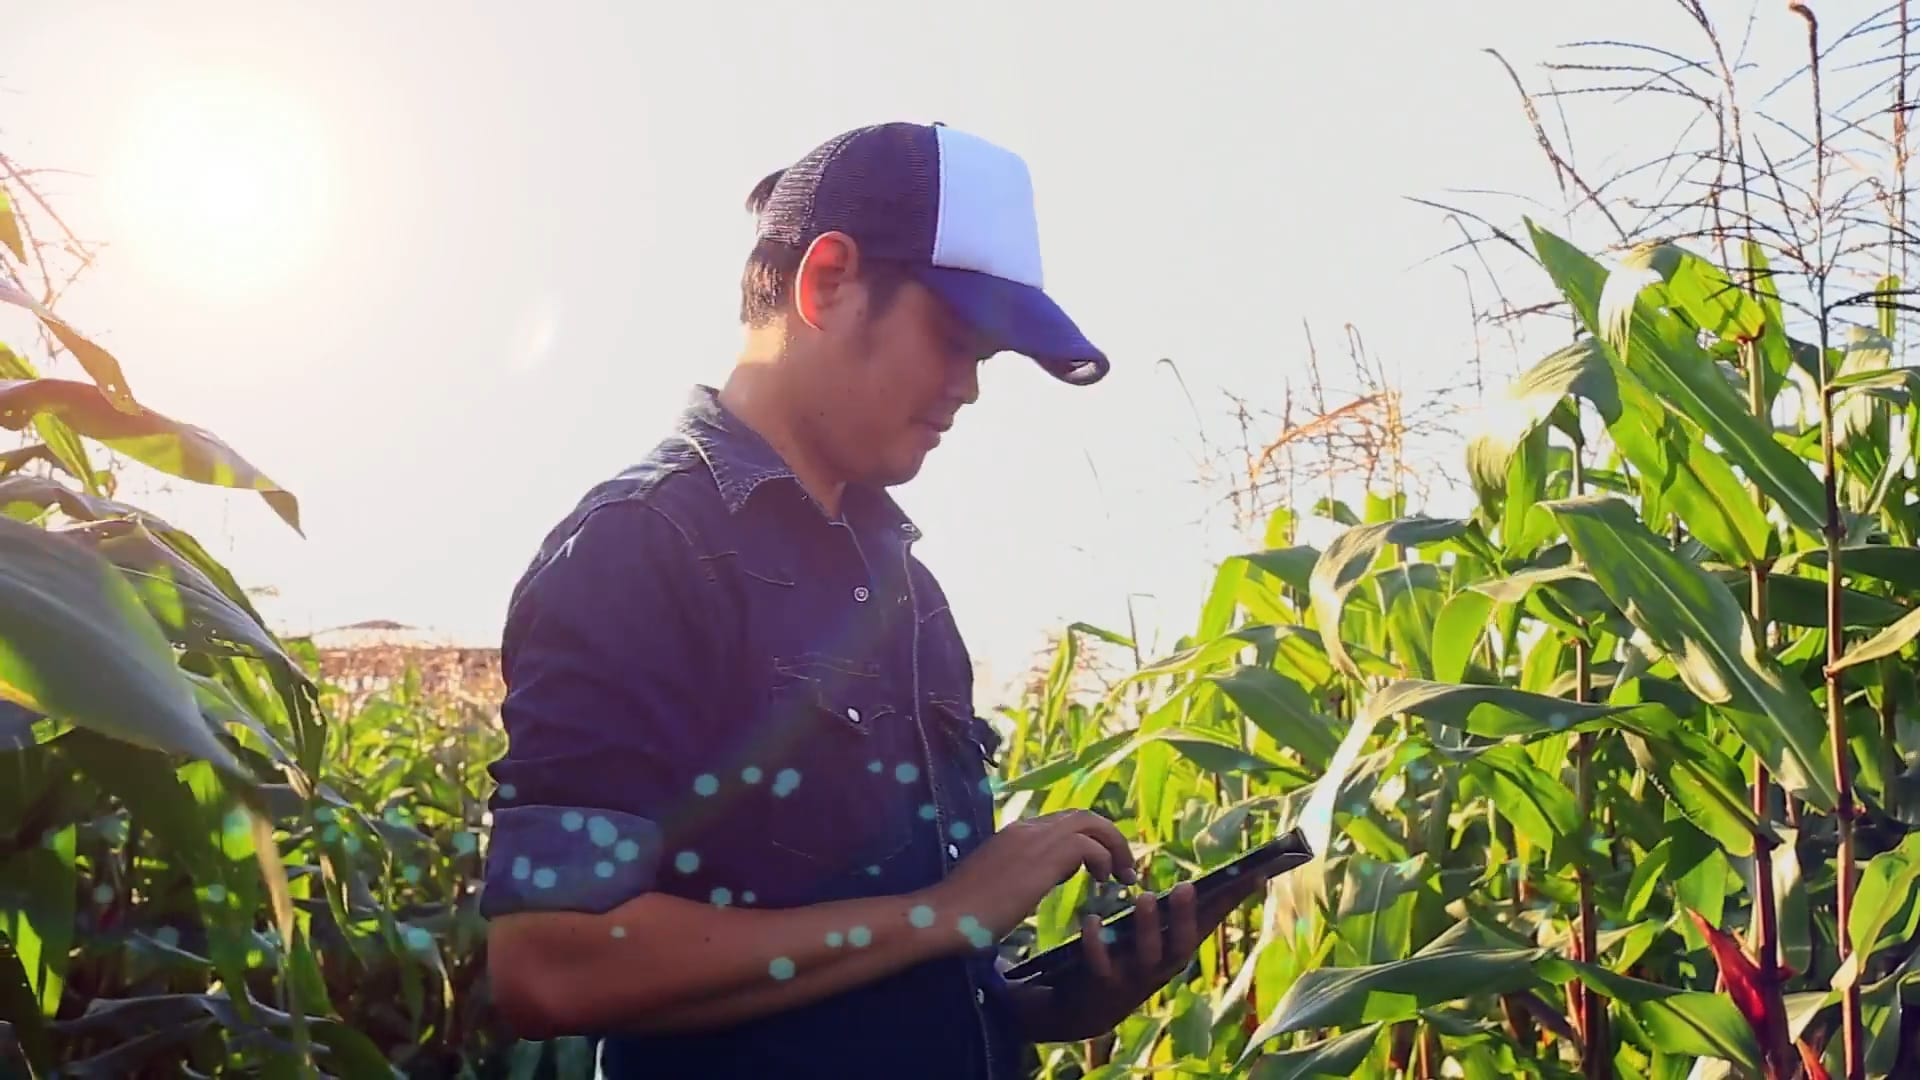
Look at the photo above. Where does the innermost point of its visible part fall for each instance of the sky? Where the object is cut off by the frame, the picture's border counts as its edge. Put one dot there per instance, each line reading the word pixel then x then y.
pixel 438 267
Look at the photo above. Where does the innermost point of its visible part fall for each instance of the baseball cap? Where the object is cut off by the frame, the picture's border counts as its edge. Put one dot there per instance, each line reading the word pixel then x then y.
pixel 954 208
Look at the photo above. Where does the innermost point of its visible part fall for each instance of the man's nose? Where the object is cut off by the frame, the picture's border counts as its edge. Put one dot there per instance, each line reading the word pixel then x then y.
pixel 964 381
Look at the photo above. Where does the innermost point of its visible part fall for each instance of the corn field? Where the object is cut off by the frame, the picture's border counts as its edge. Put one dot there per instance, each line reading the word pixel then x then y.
pixel 1613 774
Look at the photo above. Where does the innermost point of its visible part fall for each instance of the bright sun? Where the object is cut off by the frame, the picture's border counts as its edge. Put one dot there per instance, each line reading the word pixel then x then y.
pixel 219 187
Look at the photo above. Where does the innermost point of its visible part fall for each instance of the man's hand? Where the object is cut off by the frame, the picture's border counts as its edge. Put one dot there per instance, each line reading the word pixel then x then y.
pixel 1001 883
pixel 1113 982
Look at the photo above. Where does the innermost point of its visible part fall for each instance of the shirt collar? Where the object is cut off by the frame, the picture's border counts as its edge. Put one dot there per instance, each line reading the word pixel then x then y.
pixel 742 460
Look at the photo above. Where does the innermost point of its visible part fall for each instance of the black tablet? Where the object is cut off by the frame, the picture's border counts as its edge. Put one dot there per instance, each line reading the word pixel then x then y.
pixel 1278 856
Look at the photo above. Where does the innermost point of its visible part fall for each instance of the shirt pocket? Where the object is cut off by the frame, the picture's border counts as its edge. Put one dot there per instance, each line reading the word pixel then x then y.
pixel 839 782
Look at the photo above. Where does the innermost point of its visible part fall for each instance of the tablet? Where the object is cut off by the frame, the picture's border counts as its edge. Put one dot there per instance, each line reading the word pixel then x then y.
pixel 1278 856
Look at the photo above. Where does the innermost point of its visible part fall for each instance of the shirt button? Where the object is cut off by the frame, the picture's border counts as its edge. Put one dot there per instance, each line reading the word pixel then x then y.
pixel 953 852
pixel 980 996
pixel 860 594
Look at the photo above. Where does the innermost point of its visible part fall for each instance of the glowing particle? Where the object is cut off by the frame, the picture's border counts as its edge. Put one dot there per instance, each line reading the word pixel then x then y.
pixel 976 934
pixel 987 785
pixel 601 831
pixel 927 811
pixel 786 781
pixel 906 772
pixel 859 937
pixel 781 968
pixel 508 791
pixel 959 830
pixel 419 939
pixel 572 821
pixel 1107 935
pixel 687 862
pixel 167 936
pixel 603 869
pixel 331 834
pixel 619 931
pixel 751 774
pixel 922 916
pixel 720 897
pixel 544 878
pixel 627 851
pixel 216 893
pixel 522 868
pixel 464 842
pixel 747 897
pixel 103 893
pixel 875 766
pixel 874 871
pixel 324 814
pixel 350 843
pixel 706 784
pixel 410 874
pixel 835 939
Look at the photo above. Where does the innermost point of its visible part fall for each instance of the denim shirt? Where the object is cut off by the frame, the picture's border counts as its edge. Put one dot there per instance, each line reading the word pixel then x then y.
pixel 717 692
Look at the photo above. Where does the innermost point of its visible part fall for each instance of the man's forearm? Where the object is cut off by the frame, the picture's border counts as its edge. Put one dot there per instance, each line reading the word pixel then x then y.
pixel 659 963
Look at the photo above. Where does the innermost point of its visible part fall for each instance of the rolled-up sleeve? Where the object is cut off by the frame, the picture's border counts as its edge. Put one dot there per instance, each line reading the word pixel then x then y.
pixel 607 661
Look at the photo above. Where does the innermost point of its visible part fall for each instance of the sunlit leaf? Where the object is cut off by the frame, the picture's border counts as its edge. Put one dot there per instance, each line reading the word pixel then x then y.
pixel 76 644
pixel 1661 351
pixel 1349 558
pixel 1341 1056
pixel 173 447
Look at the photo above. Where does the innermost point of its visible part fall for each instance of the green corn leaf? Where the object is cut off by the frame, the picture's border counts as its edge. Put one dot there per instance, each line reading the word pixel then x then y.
pixel 1696 621
pixel 1350 557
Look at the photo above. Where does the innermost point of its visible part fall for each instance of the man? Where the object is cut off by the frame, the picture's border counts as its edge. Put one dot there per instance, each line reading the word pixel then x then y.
pixel 743 827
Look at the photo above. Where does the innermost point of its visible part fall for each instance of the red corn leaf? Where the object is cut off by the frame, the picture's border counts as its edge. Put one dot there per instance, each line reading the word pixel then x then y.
pixel 1740 974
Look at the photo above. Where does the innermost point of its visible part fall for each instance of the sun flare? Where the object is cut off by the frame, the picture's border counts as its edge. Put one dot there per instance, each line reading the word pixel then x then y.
pixel 219 187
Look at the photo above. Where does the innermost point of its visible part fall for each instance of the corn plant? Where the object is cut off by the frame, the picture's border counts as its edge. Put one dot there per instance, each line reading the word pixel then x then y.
pixel 1526 737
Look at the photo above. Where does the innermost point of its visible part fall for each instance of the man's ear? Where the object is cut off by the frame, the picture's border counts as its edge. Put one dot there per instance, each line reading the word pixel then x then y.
pixel 824 281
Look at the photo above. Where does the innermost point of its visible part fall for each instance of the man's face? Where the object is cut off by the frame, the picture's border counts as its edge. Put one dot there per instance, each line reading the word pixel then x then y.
pixel 888 379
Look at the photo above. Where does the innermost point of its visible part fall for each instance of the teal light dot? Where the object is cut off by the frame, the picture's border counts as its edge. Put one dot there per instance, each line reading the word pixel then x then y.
pixel 522 868
pixel 236 821
pixel 859 937
pixel 781 968
pixel 167 936
pixel 572 821
pixel 706 784
pixel 619 931
pixel 216 893
pixel 976 934
pixel 906 772
pixel 786 781
pixel 419 939
pixel 603 869
pixel 751 774
pixel 720 897
pixel 324 814
pixel 601 831
pixel 395 816
pixel 921 915
pixel 1107 935
pixel 103 893
pixel 987 785
pixel 960 830
pixel 747 897
pixel 410 874
pixel 544 878
pixel 875 766
pixel 835 939
pixel 927 811
pixel 464 842
pixel 507 791
pixel 627 851
pixel 874 871
pixel 1234 871
pixel 330 834
pixel 350 843
pixel 687 862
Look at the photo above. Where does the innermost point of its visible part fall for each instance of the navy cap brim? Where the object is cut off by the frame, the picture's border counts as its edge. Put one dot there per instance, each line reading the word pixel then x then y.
pixel 1019 318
